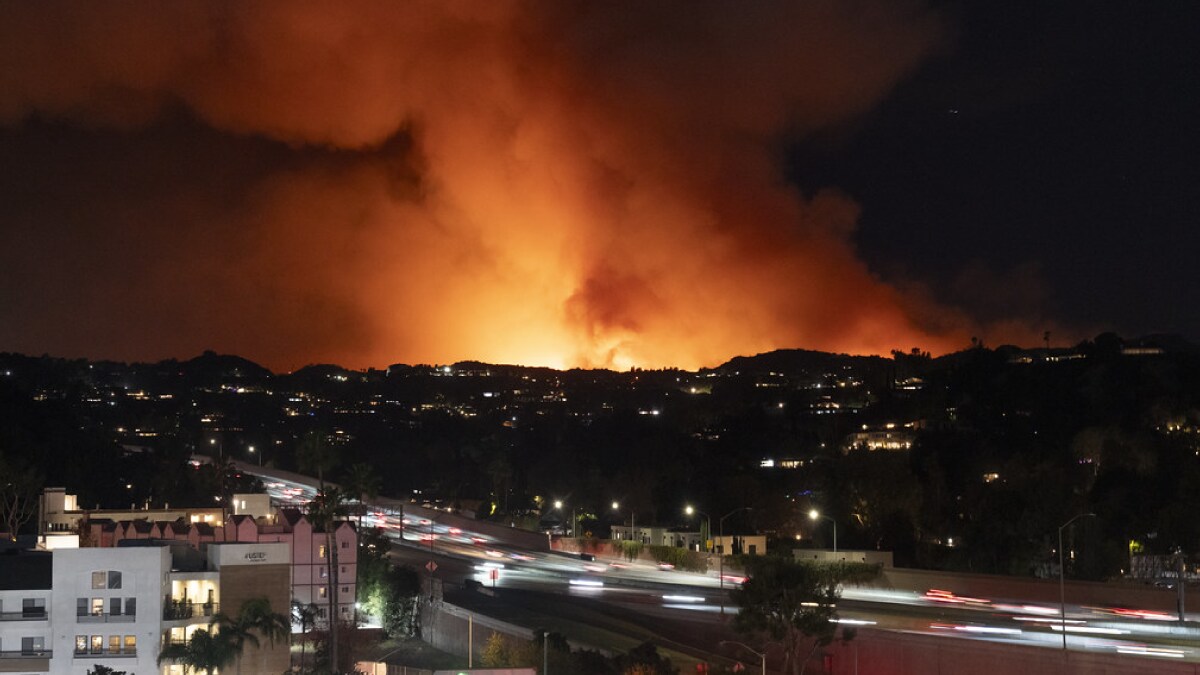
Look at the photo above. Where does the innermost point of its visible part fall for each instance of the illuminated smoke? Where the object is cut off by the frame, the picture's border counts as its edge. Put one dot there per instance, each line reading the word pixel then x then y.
pixel 555 183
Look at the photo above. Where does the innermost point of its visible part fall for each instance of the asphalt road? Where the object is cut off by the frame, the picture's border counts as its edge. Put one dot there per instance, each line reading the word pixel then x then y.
pixel 690 612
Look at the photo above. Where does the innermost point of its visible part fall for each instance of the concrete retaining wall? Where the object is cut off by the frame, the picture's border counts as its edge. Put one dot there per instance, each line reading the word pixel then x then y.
pixel 886 653
pixel 1046 591
pixel 451 628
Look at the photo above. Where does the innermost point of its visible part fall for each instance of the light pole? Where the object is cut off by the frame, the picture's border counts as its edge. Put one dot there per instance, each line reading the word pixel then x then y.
pixel 632 519
pixel 251 449
pixel 431 565
pixel 721 554
pixel 1062 583
pixel 762 656
pixel 707 525
pixel 814 515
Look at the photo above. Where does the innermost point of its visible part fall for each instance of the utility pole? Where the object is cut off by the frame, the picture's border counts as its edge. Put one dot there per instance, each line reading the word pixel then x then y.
pixel 1180 580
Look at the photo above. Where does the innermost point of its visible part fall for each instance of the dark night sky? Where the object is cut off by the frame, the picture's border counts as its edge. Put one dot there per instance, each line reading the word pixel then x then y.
pixel 1047 157
pixel 582 184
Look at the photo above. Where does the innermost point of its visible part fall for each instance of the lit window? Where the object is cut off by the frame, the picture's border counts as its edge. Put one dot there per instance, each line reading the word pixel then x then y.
pixel 321 591
pixel 130 644
pixel 81 643
pixel 321 551
pixel 97 644
pixel 99 579
pixel 114 644
pixel 97 606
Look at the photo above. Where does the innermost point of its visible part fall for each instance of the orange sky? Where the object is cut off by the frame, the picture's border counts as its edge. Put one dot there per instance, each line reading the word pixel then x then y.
pixel 562 184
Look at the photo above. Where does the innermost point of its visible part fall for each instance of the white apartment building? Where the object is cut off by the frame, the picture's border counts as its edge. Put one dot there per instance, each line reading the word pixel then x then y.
pixel 106 608
pixel 24 617
pixel 65 612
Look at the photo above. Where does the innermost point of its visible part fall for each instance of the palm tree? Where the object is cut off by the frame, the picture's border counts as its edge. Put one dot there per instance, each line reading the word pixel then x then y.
pixel 306 616
pixel 254 618
pixel 324 510
pixel 361 482
pixel 315 455
pixel 206 651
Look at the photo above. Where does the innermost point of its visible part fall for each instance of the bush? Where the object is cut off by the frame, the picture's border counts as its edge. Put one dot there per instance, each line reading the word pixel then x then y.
pixel 681 558
pixel 631 549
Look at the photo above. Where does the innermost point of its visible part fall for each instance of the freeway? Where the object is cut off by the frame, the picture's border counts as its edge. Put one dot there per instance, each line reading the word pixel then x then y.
pixel 667 596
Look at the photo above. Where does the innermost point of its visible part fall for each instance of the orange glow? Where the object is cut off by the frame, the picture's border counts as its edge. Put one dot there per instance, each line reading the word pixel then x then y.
pixel 543 184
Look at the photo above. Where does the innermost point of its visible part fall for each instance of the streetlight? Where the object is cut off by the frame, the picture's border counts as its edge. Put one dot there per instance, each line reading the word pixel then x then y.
pixel 1062 584
pixel 616 506
pixel 814 515
pixel 689 510
pixel 558 504
pixel 762 656
pixel 251 449
pixel 721 556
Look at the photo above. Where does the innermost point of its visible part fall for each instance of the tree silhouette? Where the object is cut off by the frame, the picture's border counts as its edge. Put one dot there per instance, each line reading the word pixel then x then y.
pixel 206 651
pixel 361 482
pixel 305 615
pixel 317 456
pixel 792 602
pixel 254 618
pixel 19 487
pixel 324 510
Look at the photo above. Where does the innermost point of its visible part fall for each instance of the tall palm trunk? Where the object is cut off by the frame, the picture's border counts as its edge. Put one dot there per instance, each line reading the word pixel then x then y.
pixel 331 546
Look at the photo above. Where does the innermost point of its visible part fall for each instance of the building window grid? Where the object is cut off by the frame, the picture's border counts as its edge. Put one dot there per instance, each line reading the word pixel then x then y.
pixel 94 644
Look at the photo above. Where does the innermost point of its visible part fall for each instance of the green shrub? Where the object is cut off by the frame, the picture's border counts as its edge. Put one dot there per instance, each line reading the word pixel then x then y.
pixel 681 558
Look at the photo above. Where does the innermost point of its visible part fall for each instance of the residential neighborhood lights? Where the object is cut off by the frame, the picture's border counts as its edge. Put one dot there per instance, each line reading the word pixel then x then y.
pixel 814 515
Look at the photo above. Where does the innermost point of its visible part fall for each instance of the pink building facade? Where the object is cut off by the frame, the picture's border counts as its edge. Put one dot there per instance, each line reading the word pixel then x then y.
pixel 311 549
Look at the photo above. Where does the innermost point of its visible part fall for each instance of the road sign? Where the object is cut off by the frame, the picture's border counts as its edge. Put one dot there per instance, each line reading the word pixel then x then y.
pixel 431 566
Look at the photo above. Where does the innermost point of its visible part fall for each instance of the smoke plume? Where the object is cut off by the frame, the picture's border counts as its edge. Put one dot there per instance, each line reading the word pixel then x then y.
pixel 562 184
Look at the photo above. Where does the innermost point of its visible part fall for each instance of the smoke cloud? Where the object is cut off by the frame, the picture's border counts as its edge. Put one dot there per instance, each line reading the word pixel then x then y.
pixel 591 184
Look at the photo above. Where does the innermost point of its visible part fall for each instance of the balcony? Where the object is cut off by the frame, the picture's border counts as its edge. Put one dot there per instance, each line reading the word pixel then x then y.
pixel 38 614
pixel 105 617
pixel 26 654
pixel 189 610
pixel 105 654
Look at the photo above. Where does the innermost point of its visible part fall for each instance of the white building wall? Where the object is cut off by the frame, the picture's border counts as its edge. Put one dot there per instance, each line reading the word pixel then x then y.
pixel 22 633
pixel 143 578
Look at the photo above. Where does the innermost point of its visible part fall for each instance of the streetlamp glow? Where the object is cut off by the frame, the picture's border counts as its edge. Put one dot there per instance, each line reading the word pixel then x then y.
pixel 815 515
pixel 558 503
pixel 632 518
pixel 690 511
